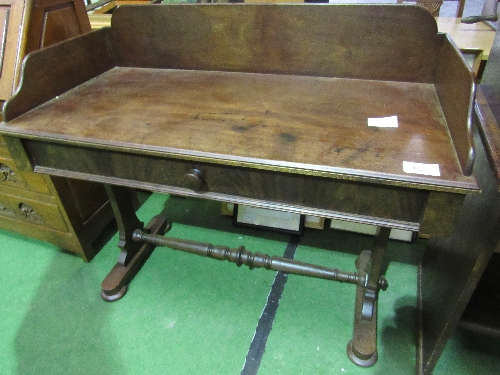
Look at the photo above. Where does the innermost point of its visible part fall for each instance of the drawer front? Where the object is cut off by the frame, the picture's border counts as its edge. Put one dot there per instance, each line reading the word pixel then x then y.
pixel 4 151
pixel 11 177
pixel 27 210
pixel 326 197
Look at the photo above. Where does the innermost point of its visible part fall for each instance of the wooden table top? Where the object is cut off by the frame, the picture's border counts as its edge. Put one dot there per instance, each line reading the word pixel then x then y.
pixel 468 36
pixel 309 124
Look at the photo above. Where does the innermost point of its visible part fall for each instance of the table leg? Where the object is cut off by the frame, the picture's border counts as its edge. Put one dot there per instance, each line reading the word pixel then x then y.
pixel 132 255
pixel 362 349
pixel 137 243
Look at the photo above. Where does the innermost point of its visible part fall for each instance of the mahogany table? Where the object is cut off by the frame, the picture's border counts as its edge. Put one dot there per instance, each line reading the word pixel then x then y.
pixel 263 105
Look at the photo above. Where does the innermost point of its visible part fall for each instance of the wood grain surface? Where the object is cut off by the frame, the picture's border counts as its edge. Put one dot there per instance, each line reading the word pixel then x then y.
pixel 310 123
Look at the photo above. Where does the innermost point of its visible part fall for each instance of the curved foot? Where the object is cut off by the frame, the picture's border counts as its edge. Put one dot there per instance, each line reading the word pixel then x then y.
pixel 115 285
pixel 116 296
pixel 360 359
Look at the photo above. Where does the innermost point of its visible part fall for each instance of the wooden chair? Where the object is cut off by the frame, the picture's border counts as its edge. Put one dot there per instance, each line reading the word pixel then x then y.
pixel 432 6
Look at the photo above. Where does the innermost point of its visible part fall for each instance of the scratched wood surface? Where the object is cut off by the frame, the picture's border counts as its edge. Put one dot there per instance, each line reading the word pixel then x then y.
pixel 373 42
pixel 303 122
pixel 390 42
pixel 267 86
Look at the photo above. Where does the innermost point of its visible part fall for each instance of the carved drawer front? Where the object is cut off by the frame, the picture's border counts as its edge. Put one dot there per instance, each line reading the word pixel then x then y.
pixel 11 177
pixel 31 211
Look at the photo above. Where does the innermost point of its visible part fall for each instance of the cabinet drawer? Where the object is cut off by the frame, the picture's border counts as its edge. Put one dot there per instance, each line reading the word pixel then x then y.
pixel 11 177
pixel 31 211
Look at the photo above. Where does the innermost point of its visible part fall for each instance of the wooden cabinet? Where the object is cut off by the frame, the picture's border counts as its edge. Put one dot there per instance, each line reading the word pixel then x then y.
pixel 458 276
pixel 68 213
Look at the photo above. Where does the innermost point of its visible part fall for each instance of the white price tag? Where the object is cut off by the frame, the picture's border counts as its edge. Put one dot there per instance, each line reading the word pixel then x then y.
pixel 421 168
pixel 383 122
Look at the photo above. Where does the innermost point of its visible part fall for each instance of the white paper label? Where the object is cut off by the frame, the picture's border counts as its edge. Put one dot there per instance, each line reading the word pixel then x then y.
pixel 383 122
pixel 421 168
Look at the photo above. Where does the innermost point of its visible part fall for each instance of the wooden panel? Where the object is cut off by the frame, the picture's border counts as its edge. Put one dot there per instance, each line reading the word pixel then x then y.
pixel 455 88
pixel 481 314
pixel 88 198
pixel 52 21
pixel 90 58
pixel 18 153
pixel 489 128
pixel 62 239
pixel 21 31
pixel 292 192
pixel 11 176
pixel 32 210
pixel 11 13
pixel 269 120
pixel 319 40
pixel 488 108
pixel 452 266
pixel 440 214
pixel 4 151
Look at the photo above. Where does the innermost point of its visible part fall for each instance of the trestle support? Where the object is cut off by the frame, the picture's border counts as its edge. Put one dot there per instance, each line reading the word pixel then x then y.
pixel 138 242
pixel 362 349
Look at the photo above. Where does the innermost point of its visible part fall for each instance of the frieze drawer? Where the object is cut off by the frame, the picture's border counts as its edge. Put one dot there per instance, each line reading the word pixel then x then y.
pixel 222 182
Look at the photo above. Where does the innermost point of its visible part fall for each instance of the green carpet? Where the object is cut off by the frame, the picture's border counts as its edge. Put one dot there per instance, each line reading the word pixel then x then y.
pixel 191 315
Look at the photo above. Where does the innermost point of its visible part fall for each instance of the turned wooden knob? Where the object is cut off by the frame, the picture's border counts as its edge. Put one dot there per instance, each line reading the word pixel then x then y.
pixel 193 179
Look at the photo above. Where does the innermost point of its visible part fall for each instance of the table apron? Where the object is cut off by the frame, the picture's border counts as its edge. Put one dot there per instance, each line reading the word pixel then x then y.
pixel 368 203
